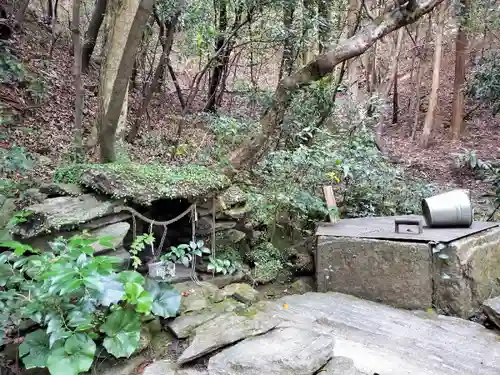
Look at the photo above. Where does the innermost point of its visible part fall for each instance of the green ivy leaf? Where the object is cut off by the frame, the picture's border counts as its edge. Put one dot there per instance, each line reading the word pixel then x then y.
pixel 123 329
pixel 166 300
pixel 35 349
pixel 74 358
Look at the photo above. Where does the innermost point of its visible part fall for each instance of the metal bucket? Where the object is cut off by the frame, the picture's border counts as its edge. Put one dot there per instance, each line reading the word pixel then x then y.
pixel 451 209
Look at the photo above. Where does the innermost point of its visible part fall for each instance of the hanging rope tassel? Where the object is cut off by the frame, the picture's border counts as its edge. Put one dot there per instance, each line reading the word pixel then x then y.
pixel 194 220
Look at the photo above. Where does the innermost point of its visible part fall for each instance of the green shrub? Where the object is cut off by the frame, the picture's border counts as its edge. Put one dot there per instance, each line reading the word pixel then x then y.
pixel 79 301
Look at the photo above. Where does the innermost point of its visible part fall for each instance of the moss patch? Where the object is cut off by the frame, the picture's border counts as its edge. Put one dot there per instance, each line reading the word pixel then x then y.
pixel 144 184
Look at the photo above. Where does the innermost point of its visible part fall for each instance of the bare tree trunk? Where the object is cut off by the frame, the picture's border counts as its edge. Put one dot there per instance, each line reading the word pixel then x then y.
pixel 167 43
pixel 433 97
pixel 352 65
pixel 127 21
pixel 77 74
pixel 418 81
pixel 286 66
pixel 386 88
pixel 252 150
pixel 325 27
pixel 216 75
pixel 21 12
pixel 461 45
pixel 50 12
pixel 92 33
pixel 308 17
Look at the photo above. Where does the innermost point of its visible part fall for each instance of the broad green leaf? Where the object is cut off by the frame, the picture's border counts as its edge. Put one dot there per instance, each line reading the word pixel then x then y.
pixel 74 358
pixel 35 349
pixel 5 273
pixel 56 330
pixel 131 277
pixel 133 291
pixel 79 320
pixel 144 303
pixel 122 328
pixel 166 300
pixel 113 291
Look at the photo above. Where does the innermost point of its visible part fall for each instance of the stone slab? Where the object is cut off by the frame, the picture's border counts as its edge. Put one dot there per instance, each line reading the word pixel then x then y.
pixel 388 341
pixel 283 351
pixel 382 228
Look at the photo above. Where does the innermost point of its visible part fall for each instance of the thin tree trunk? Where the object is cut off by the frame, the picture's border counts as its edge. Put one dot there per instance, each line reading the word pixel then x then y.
pixel 461 45
pixel 77 73
pixel 167 43
pixel 21 12
pixel 395 98
pixel 286 65
pixel 325 27
pixel 50 12
pixel 433 97
pixel 219 63
pixel 92 33
pixel 253 148
pixel 418 81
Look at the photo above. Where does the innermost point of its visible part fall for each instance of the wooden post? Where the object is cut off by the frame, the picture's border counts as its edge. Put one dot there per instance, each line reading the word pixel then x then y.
pixel 331 204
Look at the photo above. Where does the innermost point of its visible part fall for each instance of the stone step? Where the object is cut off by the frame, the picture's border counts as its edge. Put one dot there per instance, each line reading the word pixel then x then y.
pixel 304 334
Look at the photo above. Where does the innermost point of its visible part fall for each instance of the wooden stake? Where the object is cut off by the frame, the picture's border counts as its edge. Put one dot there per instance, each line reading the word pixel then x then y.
pixel 331 204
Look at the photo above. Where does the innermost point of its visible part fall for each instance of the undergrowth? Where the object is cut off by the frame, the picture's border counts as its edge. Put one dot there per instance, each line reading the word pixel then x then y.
pixel 82 304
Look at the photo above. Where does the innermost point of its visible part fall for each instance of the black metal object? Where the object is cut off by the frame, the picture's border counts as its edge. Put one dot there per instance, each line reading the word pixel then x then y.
pixel 413 222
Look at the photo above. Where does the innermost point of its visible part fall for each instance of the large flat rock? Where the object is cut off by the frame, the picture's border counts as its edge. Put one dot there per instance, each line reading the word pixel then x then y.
pixel 62 213
pixel 283 351
pixel 227 329
pixel 388 341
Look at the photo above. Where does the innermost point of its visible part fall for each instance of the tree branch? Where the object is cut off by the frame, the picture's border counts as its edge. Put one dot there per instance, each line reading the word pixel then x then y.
pixel 255 147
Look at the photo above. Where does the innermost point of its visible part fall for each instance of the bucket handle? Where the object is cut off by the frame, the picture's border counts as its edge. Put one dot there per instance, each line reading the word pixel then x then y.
pixel 415 222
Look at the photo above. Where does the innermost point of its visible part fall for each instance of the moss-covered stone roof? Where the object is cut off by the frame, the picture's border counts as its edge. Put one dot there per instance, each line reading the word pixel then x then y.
pixel 145 183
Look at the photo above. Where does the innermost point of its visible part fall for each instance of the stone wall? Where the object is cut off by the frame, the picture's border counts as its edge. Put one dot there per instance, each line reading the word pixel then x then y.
pixel 406 275
pixel 67 209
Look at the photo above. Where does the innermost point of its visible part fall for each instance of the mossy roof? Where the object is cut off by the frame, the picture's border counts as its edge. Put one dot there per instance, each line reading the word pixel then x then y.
pixel 145 183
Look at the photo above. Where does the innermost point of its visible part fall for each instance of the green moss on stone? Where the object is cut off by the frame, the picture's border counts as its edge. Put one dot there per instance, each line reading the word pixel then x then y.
pixel 143 183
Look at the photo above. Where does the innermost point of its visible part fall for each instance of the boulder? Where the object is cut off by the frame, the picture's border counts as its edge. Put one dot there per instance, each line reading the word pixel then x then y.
pixel 388 341
pixel 238 213
pixel 283 351
pixel 62 213
pixel 304 284
pixel 227 329
pixel 7 210
pixel 491 308
pixel 229 237
pixel 222 280
pixel 116 231
pixel 144 184
pixel 197 297
pixel 232 196
pixel 241 292
pixel 301 259
pixel 62 190
pixel 184 325
pixel 340 366
pixel 205 225
pixel 31 196
pixel 167 367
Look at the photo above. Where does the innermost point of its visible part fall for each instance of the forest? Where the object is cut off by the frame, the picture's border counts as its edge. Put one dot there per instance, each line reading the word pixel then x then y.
pixel 269 87
pixel 386 101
